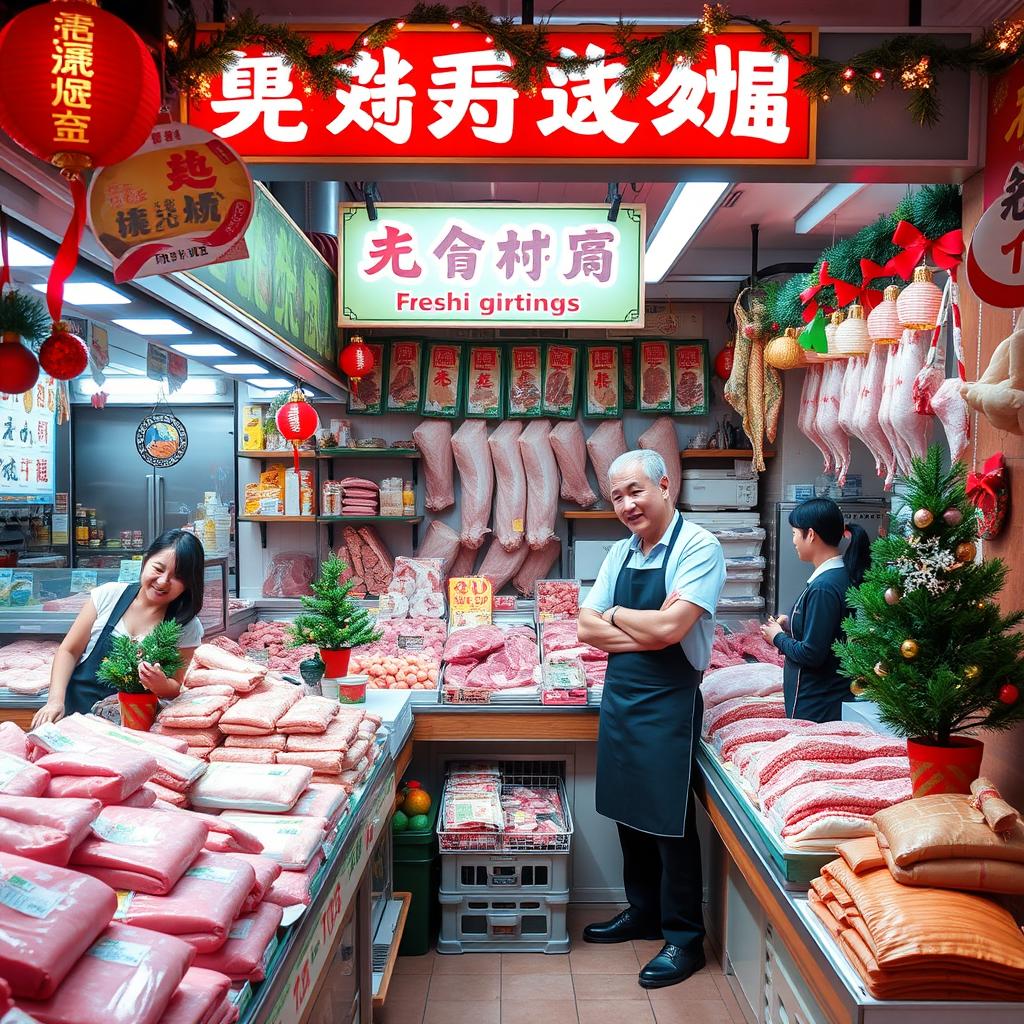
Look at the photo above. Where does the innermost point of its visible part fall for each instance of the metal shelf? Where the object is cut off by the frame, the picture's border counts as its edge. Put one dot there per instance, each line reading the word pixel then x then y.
pixel 283 453
pixel 411 520
pixel 369 453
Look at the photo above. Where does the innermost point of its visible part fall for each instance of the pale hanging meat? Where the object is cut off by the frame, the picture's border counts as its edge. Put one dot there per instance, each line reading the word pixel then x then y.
pixel 850 397
pixel 570 450
pixel 434 440
pixel 510 495
pixel 500 565
pixel 541 483
pixel 828 419
pixel 908 424
pixel 661 437
pixel 476 477
pixel 951 410
pixel 605 445
pixel 901 457
pixel 869 427
pixel 808 419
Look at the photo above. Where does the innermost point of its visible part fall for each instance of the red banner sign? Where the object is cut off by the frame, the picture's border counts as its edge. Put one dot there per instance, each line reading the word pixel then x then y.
pixel 436 95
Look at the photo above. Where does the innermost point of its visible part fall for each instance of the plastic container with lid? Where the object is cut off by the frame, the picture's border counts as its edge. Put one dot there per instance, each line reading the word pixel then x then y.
pixel 346 689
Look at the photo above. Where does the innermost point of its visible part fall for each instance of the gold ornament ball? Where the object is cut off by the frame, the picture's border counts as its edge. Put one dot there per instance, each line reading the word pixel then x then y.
pixel 923 519
pixel 966 552
pixel 880 670
pixel 910 649
pixel 857 687
pixel 971 673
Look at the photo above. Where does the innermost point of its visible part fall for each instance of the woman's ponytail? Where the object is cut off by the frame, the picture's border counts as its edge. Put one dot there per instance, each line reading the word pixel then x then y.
pixel 857 556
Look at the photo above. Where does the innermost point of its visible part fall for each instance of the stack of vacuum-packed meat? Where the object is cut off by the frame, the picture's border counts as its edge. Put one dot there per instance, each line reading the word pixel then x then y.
pixel 268 640
pixel 479 660
pixel 25 666
pixel 560 640
pixel 815 784
pixel 232 710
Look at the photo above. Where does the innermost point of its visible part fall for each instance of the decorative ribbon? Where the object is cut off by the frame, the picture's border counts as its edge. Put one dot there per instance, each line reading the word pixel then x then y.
pixel 845 291
pixel 945 252
pixel 67 255
pixel 807 296
pixel 983 488
pixel 5 271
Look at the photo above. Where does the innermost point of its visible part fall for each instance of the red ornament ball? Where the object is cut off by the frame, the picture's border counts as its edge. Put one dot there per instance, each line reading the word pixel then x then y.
pixel 1009 694
pixel 63 355
pixel 356 359
pixel 724 361
pixel 44 105
pixel 19 368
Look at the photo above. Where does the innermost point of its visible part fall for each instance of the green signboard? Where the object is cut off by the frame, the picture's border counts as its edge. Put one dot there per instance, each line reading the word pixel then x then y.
pixel 491 264
pixel 285 283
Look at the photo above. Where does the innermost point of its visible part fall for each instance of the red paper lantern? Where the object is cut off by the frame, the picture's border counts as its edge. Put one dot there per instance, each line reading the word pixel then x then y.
pixel 723 362
pixel 356 359
pixel 19 369
pixel 63 355
pixel 297 421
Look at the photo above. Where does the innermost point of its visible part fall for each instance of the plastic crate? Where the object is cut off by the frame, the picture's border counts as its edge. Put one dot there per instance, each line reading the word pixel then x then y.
pixel 499 842
pixel 503 924
pixel 512 873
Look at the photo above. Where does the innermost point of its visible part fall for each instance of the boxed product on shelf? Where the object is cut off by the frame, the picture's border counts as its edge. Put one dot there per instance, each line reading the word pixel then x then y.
pixel 252 428
pixel 299 493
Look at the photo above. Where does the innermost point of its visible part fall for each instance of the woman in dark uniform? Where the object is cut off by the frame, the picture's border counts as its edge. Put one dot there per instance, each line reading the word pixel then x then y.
pixel 813 688
pixel 170 587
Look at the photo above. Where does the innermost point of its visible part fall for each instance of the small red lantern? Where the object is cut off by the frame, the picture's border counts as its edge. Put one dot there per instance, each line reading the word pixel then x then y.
pixel 19 369
pixel 356 359
pixel 723 362
pixel 63 355
pixel 297 421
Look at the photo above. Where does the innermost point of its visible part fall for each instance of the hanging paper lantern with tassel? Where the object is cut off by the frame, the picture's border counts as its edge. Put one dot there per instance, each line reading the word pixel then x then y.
pixel 884 320
pixel 78 89
pixel 919 303
pixel 297 422
pixel 356 359
pixel 851 337
pixel 724 360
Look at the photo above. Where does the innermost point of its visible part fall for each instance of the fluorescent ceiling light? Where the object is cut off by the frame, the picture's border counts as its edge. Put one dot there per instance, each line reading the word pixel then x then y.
pixel 148 390
pixel 22 255
pixel 117 369
pixel 824 206
pixel 240 369
pixel 269 383
pixel 689 207
pixel 197 348
pixel 89 293
pixel 154 326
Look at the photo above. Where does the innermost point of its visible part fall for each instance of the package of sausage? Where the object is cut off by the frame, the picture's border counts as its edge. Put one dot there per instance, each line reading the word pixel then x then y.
pixel 691 384
pixel 602 373
pixel 654 377
pixel 404 376
pixel 442 392
pixel 561 377
pixel 525 381
pixel 485 383
pixel 366 395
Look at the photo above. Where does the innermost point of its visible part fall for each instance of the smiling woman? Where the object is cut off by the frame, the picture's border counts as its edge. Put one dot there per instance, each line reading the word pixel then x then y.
pixel 170 589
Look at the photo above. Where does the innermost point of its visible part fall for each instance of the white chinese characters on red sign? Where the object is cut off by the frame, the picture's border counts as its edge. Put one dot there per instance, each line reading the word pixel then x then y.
pixel 995 257
pixel 438 96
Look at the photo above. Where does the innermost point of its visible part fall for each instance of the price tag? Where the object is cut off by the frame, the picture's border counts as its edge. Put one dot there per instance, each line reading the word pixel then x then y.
pixel 131 570
pixel 83 580
pixel 114 951
pixel 470 602
pixel 385 606
pixel 412 643
pixel 504 603
pixel 225 876
pixel 28 898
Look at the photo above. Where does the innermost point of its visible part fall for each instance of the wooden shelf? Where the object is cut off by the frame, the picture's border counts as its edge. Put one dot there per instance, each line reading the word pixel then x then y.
pixel 369 453
pixel 284 453
pixel 590 514
pixel 411 520
pixel 721 453
pixel 277 519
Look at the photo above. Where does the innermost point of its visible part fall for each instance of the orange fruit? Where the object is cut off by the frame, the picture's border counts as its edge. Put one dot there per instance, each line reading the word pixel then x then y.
pixel 417 801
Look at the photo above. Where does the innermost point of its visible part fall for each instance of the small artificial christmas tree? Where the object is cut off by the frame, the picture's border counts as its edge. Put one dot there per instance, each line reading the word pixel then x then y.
pixel 332 621
pixel 927 641
pixel 120 668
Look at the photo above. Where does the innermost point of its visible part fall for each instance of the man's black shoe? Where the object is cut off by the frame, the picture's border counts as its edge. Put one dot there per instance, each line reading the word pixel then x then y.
pixel 627 925
pixel 671 966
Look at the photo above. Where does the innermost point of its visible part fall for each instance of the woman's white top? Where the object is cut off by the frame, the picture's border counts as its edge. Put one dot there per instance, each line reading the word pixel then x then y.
pixel 106 596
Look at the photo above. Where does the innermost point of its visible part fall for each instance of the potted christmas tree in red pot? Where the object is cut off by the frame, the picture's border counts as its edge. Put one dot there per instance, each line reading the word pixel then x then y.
pixel 332 621
pixel 120 671
pixel 927 641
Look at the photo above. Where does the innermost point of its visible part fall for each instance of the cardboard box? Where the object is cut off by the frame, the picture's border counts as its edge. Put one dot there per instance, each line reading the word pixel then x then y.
pixel 252 428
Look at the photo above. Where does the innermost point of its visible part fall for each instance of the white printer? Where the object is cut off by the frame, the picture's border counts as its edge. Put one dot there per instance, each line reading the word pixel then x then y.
pixel 709 489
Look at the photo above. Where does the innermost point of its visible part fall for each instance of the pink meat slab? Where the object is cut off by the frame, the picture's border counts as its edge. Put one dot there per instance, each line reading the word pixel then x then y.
pixel 228 1014
pixel 140 798
pixel 49 916
pixel 45 830
pixel 13 739
pixel 241 957
pixel 19 777
pixel 171 742
pixel 323 761
pixel 201 906
pixel 201 753
pixel 242 755
pixel 309 715
pixel 198 702
pixel 355 754
pixel 227 837
pixel 98 775
pixel 241 682
pixel 294 887
pixel 145 850
pixel 746 680
pixel 800 747
pixel 340 734
pixel 127 976
pixel 209 736
pixel 168 796
pixel 266 871
pixel 322 801
pixel 739 708
pixel 198 999
pixel 275 741
pixel 211 656
pixel 290 840
pixel 259 711
pixel 272 788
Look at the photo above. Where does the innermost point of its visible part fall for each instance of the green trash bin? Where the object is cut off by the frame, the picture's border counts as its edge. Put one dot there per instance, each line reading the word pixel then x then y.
pixel 418 871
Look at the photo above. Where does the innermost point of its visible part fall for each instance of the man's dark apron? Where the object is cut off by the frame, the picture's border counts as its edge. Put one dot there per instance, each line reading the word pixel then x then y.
pixel 84 689
pixel 650 717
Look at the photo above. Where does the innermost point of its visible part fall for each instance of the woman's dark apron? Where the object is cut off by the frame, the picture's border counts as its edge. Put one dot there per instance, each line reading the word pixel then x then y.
pixel 84 689
pixel 650 717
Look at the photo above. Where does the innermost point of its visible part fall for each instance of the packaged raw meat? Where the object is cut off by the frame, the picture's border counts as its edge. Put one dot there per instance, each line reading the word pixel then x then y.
pixel 289 575
pixel 259 712
pixel 97 775
pixel 211 656
pixel 485 383
pixel 537 564
pixel 266 871
pixel 142 849
pixel 250 787
pixel 294 888
pixel 374 559
pixel 654 372
pixel 310 714
pixel 198 998
pixel 292 841
pixel 661 437
pixel 441 542
pixel 404 372
pixel 473 643
pixel 49 917
pixel 434 441
pixel 738 708
pixel 329 762
pixel 541 483
pixel 45 830
pixel 444 383
pixel 366 395
pixel 561 377
pixel 13 739
pixel 241 956
pixel 605 445
pixel 602 372
pixel 557 599
pixel 561 635
pixel 417 588
pixel 877 769
pixel 339 735
pixel 746 680
pixel 241 755
pixel 192 738
pixel 526 381
pixel 127 976
pixel 322 801
pixel 690 379
pixel 570 450
pixel 19 777
pixel 510 499
pixel 476 477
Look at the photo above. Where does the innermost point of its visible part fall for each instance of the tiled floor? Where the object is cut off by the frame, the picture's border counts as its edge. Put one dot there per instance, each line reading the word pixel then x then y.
pixel 592 985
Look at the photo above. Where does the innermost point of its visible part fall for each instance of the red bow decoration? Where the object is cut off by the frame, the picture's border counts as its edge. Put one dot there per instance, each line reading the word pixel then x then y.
pixel 945 252
pixel 983 488
pixel 845 292
pixel 807 296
